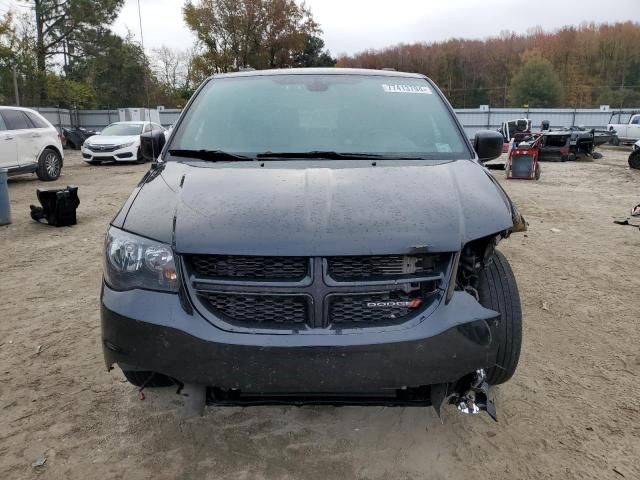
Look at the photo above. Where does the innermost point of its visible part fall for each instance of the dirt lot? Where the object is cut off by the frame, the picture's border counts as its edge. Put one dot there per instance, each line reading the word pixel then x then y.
pixel 572 410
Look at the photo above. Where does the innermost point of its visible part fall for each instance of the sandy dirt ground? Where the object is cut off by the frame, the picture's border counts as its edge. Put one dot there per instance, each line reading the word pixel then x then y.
pixel 571 412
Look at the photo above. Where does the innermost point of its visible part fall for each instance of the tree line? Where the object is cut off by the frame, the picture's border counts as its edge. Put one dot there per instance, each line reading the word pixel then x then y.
pixel 64 53
pixel 579 67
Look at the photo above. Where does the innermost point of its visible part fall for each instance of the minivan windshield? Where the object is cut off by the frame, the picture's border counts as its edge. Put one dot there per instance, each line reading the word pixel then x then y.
pixel 392 116
pixel 123 129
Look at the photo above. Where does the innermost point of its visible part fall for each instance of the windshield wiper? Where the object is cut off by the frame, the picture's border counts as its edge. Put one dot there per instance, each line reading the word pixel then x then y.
pixel 210 155
pixel 331 155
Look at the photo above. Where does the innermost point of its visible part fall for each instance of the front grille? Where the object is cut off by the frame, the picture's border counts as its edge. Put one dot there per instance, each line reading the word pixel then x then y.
pixel 379 266
pixel 324 293
pixel 376 308
pixel 250 267
pixel 263 310
pixel 103 148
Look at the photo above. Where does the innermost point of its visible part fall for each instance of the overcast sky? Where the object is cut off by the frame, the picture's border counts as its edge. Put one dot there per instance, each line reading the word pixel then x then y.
pixel 353 25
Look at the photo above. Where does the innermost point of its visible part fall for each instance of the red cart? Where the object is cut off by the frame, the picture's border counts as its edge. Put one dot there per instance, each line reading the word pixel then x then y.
pixel 522 163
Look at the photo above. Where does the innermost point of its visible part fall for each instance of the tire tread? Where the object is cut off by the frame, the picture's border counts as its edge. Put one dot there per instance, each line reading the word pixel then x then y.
pixel 498 291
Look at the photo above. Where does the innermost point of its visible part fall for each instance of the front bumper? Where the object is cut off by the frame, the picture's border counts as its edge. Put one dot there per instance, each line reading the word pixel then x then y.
pixel 126 154
pixel 143 330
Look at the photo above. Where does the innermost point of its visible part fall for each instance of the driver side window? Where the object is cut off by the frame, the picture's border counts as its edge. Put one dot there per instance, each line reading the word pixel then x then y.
pixel 636 121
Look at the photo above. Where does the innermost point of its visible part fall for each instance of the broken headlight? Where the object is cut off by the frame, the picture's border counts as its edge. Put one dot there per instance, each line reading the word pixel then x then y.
pixel 136 262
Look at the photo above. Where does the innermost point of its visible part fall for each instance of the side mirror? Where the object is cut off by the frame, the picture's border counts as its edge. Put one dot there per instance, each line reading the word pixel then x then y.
pixel 151 144
pixel 488 145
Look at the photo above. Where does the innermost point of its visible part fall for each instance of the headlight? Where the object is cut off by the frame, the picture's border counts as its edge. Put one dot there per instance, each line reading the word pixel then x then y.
pixel 125 145
pixel 135 262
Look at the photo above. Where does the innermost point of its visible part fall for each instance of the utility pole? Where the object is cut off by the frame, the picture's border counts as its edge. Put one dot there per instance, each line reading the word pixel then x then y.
pixel 15 85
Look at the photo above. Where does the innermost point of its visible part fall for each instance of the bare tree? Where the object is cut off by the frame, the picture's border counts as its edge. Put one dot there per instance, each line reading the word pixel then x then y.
pixel 172 67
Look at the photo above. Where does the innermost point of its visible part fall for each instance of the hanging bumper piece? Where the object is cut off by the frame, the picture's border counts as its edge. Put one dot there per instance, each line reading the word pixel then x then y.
pixel 476 398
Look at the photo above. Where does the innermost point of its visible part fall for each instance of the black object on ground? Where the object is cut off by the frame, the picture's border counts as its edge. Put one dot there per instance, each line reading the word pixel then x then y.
pixel 75 137
pixel 59 206
pixel 495 166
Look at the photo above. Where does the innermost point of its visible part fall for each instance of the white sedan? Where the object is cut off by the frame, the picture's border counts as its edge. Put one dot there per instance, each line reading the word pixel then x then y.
pixel 118 142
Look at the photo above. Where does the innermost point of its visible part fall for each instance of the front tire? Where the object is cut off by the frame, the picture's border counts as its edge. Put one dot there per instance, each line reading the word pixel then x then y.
pixel 634 160
pixel 49 165
pixel 498 291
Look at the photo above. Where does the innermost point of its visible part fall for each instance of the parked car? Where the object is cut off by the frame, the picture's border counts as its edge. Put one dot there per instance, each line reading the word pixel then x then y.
pixel 634 158
pixel 626 132
pixel 74 138
pixel 118 142
pixel 29 144
pixel 315 235
pixel 562 144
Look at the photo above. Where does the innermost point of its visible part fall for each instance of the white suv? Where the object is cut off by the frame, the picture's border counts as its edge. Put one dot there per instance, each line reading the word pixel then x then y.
pixel 29 144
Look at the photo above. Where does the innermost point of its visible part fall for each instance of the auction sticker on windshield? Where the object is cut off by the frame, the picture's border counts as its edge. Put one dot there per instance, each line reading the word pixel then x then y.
pixel 406 89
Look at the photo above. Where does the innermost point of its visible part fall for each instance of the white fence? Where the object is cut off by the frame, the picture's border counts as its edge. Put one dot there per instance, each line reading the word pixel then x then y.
pixel 472 119
pixel 95 119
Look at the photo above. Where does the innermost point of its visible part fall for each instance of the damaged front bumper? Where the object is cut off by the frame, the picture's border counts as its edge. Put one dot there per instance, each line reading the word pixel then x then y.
pixel 432 361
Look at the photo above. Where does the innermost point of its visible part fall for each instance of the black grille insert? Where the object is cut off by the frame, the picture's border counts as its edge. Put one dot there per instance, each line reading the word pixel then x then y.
pixel 250 267
pixel 262 310
pixel 103 148
pixel 380 266
pixel 372 309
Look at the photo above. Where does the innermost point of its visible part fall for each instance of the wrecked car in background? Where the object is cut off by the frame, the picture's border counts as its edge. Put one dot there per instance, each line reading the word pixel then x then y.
pixel 315 236
pixel 556 144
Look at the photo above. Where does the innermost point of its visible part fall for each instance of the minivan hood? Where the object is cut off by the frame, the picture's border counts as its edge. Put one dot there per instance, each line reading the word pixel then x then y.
pixel 282 209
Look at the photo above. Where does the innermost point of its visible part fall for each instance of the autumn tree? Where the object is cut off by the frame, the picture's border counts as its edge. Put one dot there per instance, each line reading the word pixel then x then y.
pixel 233 34
pixel 536 84
pixel 595 63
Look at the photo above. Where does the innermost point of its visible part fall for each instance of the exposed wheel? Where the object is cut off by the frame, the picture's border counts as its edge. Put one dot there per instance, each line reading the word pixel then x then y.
pixel 537 171
pixel 148 379
pixel 49 165
pixel 615 141
pixel 634 160
pixel 498 291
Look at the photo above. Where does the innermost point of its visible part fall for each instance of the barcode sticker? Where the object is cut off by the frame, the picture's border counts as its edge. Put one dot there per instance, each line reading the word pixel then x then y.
pixel 424 90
